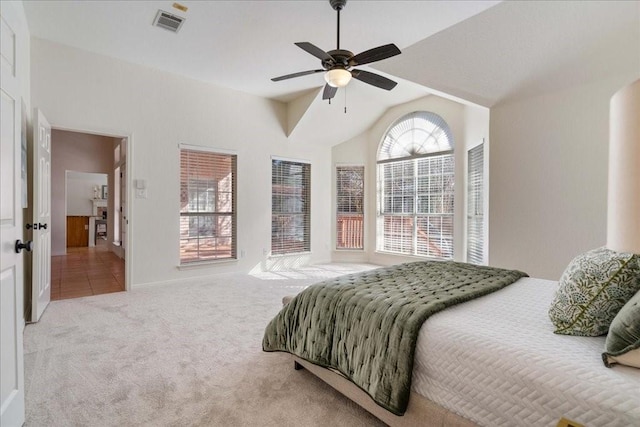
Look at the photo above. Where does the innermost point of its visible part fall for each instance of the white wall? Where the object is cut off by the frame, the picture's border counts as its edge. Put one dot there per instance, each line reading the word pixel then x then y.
pixel 363 149
pixel 546 162
pixel 80 90
pixel 78 152
pixel 549 151
pixel 80 191
pixel 548 176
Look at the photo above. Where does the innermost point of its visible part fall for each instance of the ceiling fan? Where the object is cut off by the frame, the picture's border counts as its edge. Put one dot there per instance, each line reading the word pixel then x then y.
pixel 337 64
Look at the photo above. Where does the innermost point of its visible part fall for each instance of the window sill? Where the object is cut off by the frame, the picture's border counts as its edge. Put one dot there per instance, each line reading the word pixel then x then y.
pixel 209 263
pixel 422 257
pixel 289 254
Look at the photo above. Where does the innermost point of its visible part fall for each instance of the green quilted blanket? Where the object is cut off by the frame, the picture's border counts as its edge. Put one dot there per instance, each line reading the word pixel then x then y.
pixel 366 325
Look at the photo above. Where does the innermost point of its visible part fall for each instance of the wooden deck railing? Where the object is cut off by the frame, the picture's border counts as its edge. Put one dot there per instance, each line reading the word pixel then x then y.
pixel 350 232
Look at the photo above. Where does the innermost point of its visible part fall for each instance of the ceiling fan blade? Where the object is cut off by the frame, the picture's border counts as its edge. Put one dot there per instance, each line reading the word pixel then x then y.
pixel 315 51
pixel 329 92
pixel 301 73
pixel 373 79
pixel 376 54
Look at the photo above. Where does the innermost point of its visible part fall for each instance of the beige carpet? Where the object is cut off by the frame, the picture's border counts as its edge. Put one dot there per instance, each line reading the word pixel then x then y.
pixel 177 355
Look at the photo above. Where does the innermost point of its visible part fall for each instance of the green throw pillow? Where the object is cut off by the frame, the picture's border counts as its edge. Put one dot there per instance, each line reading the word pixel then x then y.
pixel 623 341
pixel 592 290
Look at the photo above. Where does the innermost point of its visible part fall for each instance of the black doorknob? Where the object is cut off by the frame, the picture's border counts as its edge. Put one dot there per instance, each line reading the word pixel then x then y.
pixel 28 245
pixel 41 226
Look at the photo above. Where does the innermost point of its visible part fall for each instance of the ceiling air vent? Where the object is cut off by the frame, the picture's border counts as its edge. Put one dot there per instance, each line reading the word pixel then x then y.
pixel 168 21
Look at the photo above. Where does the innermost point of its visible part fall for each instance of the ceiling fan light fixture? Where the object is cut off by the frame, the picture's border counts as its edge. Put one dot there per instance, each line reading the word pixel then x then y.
pixel 338 77
pixel 336 63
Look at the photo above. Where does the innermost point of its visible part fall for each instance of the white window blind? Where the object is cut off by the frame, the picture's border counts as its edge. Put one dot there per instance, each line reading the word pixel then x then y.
pixel 207 206
pixel 416 187
pixel 290 207
pixel 350 207
pixel 475 205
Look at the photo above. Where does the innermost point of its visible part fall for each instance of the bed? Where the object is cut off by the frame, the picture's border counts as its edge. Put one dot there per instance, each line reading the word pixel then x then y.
pixel 495 361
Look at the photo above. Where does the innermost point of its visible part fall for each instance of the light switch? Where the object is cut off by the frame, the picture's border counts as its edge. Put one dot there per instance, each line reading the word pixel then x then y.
pixel 141 184
pixel 141 193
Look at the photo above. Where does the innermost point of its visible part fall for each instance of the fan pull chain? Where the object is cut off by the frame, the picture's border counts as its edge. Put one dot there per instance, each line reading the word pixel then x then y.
pixel 345 100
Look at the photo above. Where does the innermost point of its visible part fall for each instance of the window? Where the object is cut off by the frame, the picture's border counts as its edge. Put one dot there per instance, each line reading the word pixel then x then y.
pixel 207 205
pixel 475 205
pixel 416 187
pixel 290 207
pixel 350 209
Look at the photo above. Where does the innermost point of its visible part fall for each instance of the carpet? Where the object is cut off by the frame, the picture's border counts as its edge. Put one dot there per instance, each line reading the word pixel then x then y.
pixel 178 355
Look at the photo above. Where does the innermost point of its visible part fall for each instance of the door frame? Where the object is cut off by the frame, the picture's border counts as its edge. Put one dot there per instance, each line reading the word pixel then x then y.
pixel 128 258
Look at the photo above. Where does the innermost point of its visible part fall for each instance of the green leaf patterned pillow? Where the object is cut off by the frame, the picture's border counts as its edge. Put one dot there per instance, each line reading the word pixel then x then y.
pixel 592 290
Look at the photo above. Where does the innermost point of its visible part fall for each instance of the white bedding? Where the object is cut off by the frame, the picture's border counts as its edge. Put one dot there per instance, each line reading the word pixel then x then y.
pixel 496 361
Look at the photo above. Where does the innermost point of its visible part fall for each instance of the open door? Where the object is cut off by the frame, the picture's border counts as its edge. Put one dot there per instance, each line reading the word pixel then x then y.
pixel 41 267
pixel 123 209
pixel 11 232
pixel 120 221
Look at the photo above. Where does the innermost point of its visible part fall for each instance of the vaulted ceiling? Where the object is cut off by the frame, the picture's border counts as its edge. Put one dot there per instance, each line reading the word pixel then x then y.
pixel 480 51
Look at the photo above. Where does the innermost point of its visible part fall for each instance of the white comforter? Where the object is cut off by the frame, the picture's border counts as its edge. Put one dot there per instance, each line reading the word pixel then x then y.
pixel 496 361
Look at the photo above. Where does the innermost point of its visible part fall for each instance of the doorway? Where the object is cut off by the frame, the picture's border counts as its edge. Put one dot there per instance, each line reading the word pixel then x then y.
pixel 86 208
pixel 86 271
pixel 87 247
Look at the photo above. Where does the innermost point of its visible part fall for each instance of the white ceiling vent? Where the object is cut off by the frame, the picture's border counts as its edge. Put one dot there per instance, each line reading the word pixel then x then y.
pixel 168 21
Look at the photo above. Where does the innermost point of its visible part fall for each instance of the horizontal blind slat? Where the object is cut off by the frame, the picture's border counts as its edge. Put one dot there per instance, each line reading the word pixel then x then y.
pixel 416 202
pixel 290 206
pixel 475 205
pixel 207 205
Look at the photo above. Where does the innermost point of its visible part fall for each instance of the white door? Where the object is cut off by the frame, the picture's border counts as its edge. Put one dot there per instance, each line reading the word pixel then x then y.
pixel 41 273
pixel 123 209
pixel 11 263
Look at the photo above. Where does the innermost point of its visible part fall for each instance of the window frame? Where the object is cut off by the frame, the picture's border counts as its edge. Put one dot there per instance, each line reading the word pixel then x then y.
pixel 400 233
pixel 216 215
pixel 354 215
pixel 475 252
pixel 292 205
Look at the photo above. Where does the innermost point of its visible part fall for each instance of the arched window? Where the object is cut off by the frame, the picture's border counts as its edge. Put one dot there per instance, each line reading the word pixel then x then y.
pixel 416 187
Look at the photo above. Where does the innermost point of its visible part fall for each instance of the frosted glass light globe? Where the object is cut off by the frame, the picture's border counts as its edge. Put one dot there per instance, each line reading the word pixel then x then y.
pixel 338 77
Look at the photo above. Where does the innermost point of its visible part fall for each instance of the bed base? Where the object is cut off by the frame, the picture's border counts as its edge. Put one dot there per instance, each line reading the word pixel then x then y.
pixel 421 411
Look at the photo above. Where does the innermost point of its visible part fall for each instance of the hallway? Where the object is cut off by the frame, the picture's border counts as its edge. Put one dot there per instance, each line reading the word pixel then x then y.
pixel 86 271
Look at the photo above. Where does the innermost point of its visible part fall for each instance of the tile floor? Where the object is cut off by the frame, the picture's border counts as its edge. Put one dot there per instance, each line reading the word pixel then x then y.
pixel 86 271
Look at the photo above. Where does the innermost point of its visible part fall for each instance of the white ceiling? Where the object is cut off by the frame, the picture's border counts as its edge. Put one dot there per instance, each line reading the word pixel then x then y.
pixel 243 44
pixel 525 48
pixel 481 51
